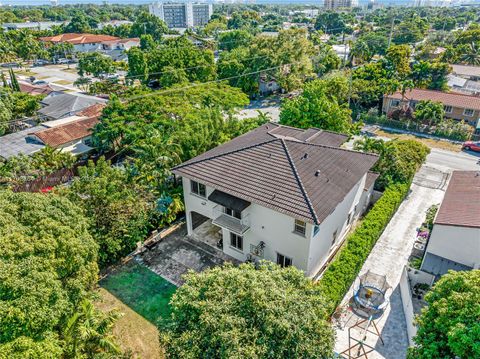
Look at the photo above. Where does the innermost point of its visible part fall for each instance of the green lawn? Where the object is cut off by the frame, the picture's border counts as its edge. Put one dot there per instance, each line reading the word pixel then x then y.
pixel 142 290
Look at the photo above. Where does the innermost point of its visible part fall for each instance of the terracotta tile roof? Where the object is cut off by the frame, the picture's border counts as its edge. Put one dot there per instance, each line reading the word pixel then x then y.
pixel 447 98
pixel 92 111
pixel 282 170
pixel 76 39
pixel 60 135
pixel 34 89
pixel 461 204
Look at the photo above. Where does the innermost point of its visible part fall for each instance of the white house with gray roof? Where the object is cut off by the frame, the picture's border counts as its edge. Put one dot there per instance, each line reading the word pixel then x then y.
pixel 277 193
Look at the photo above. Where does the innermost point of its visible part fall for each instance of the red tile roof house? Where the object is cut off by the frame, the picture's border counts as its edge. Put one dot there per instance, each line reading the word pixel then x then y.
pixel 74 136
pixel 455 239
pixel 34 89
pixel 81 42
pixel 277 193
pixel 457 106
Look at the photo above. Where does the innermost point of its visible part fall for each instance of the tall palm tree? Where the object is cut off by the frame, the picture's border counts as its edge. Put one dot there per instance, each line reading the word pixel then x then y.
pixel 472 56
pixel 88 332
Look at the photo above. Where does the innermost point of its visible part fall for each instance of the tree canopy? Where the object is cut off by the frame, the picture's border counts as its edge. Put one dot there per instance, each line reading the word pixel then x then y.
pixel 449 326
pixel 244 312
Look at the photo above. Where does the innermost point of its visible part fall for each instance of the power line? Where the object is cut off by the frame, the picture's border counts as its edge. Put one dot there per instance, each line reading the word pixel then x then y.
pixel 176 89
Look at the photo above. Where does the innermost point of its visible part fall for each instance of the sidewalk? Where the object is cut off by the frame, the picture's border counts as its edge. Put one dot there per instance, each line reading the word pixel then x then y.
pixel 388 257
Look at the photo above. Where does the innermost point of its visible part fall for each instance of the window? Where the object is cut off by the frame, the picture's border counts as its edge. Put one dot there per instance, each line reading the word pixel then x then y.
pixel 394 103
pixel 468 112
pixel 300 227
pixel 349 218
pixel 199 189
pixel 315 230
pixel 233 213
pixel 448 109
pixel 334 236
pixel 236 241
pixel 88 141
pixel 283 261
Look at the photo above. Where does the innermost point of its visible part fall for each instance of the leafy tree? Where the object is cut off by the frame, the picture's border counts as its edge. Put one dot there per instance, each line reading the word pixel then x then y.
pixel 398 57
pixel 88 332
pixel 331 22
pixel 233 39
pixel 117 208
pixel 83 83
pixel 148 24
pixel 137 65
pixel 48 263
pixel 472 54
pixel 410 31
pixel 361 52
pixel 432 75
pixel 325 59
pixel 78 24
pixel 377 43
pixel 449 326
pixel 320 105
pixel 399 159
pixel 95 63
pixel 214 27
pixel 246 19
pixel 172 76
pixel 429 112
pixel 246 312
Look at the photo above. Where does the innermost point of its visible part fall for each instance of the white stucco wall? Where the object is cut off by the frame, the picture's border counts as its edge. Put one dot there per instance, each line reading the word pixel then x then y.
pixel 276 229
pixel 87 47
pixel 321 244
pixel 458 244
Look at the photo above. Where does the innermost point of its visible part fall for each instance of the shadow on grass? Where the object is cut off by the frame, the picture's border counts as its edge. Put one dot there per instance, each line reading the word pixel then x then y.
pixel 142 290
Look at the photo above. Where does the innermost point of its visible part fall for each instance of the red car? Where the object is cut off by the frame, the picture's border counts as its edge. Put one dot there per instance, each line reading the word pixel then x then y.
pixel 471 145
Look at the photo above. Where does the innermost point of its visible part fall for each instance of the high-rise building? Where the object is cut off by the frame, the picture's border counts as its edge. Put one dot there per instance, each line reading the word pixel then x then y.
pixel 182 15
pixel 338 4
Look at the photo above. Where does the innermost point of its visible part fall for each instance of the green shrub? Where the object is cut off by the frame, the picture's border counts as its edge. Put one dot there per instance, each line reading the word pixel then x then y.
pixel 341 273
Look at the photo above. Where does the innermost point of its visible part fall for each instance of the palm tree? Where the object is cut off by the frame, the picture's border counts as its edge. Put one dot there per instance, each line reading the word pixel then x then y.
pixel 472 56
pixel 360 51
pixel 88 332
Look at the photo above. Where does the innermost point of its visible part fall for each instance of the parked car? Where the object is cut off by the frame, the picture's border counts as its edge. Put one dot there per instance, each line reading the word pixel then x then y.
pixel 471 146
pixel 62 61
pixel 11 64
pixel 41 62
pixel 40 83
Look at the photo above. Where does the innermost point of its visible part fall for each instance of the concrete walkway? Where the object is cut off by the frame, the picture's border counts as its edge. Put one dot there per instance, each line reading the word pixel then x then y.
pixel 388 257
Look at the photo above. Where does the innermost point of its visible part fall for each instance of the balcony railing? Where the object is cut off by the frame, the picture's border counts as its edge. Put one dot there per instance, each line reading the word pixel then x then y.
pixel 233 224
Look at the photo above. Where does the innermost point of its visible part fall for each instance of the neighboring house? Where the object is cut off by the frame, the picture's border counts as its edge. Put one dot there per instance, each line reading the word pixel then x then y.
pixel 20 143
pixel 26 142
pixel 267 84
pixel 467 72
pixel 455 239
pixel 457 106
pixel 277 193
pixel 81 42
pixel 120 44
pixel 42 25
pixel 462 85
pixel 73 137
pixel 34 89
pixel 58 105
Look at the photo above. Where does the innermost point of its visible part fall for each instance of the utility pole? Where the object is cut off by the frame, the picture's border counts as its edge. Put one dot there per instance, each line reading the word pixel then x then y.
pixel 391 33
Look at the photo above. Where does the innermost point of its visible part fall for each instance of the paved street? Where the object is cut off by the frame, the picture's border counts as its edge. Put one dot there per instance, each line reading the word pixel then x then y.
pixel 269 106
pixel 57 75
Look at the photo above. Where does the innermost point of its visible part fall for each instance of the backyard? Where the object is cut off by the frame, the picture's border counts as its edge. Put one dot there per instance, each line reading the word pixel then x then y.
pixel 142 296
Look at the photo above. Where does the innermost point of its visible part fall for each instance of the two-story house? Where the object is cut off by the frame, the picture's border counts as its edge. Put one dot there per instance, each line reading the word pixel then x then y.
pixel 277 193
pixel 457 106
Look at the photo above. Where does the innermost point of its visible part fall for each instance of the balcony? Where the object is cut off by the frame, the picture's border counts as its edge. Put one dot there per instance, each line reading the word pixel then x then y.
pixel 233 224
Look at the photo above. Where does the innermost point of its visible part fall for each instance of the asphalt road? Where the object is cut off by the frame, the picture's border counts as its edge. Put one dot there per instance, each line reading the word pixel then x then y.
pixel 447 161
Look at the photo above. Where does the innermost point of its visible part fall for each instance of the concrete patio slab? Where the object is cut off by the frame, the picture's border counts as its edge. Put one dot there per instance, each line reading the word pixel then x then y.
pixel 177 253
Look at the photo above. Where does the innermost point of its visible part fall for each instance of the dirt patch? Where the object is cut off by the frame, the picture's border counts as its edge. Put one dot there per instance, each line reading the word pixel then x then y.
pixel 430 142
pixel 63 82
pixel 134 333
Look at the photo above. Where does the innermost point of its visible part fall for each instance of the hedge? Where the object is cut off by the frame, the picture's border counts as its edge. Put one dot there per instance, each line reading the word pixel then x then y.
pixel 341 273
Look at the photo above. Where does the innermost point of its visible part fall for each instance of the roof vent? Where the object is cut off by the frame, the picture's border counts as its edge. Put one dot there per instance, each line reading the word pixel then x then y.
pixel 305 156
pixel 317 173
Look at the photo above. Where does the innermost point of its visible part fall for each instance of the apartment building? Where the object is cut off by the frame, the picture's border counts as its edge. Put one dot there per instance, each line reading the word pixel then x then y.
pixel 182 15
pixel 277 193
pixel 339 4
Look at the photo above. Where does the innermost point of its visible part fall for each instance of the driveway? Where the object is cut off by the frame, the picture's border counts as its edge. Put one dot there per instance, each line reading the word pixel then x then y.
pixel 269 106
pixel 61 77
pixel 177 253
pixel 388 257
